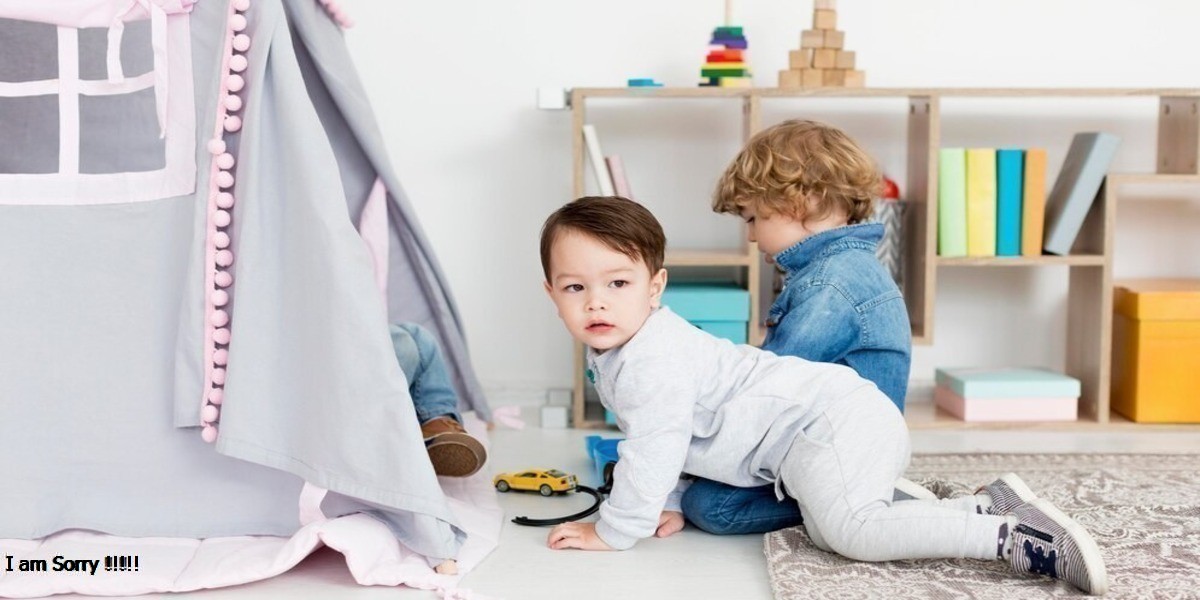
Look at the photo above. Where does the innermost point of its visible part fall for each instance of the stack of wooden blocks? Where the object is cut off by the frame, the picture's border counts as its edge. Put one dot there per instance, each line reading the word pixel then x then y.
pixel 822 60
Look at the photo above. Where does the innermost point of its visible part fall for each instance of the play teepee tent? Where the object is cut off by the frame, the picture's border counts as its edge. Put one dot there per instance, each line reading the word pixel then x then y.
pixel 197 220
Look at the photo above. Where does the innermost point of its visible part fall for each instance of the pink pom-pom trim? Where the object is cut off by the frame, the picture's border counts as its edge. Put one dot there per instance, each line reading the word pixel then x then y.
pixel 233 103
pixel 209 434
pixel 238 63
pixel 221 218
pixel 224 258
pixel 224 200
pixel 220 357
pixel 218 377
pixel 241 5
pixel 233 123
pixel 216 146
pixel 209 413
pixel 220 298
pixel 237 22
pixel 219 318
pixel 241 42
pixel 221 239
pixel 235 82
pixel 223 278
pixel 225 160
pixel 221 336
pixel 224 179
pixel 216 395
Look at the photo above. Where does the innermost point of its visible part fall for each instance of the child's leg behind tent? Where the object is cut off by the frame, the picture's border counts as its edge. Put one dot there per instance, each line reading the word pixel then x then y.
pixel 452 450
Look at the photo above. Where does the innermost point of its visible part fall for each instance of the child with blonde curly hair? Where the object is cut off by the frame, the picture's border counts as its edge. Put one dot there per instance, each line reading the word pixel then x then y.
pixel 806 191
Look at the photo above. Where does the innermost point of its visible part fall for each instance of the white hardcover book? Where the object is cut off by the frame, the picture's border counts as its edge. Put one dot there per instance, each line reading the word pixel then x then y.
pixel 599 169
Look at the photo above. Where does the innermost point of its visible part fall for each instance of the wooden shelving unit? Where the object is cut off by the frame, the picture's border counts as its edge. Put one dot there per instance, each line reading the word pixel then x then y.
pixel 1089 297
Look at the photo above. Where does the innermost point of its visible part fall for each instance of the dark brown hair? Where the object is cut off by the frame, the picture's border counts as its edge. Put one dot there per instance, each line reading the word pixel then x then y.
pixel 619 223
pixel 801 169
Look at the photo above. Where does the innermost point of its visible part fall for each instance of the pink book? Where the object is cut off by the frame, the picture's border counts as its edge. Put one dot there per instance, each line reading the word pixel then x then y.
pixel 1006 409
pixel 620 183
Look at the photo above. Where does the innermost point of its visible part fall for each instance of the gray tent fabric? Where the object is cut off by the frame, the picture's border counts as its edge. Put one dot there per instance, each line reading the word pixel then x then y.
pixel 102 315
pixel 342 105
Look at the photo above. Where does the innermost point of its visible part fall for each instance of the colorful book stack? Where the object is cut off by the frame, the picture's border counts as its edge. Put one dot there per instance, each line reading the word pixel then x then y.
pixel 1007 394
pixel 822 60
pixel 993 202
pixel 725 65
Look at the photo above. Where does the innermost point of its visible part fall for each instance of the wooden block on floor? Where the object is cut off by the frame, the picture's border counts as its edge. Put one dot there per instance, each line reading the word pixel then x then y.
pixel 825 4
pixel 812 38
pixel 800 59
pixel 824 19
pixel 825 58
pixel 834 77
pixel 854 79
pixel 811 78
pixel 832 38
pixel 845 60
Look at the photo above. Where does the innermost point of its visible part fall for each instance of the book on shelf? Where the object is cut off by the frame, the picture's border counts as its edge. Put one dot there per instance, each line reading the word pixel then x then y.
pixel 1033 209
pixel 952 202
pixel 1009 165
pixel 620 182
pixel 599 169
pixel 1075 188
pixel 981 202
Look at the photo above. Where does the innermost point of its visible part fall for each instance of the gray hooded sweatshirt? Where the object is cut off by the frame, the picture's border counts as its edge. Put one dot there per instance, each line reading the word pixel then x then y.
pixel 689 402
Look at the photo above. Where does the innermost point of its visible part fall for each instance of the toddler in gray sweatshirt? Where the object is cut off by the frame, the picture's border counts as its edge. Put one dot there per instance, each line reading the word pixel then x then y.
pixel 691 403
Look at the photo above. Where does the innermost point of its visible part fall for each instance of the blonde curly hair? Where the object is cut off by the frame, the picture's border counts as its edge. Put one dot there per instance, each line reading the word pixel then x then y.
pixel 802 169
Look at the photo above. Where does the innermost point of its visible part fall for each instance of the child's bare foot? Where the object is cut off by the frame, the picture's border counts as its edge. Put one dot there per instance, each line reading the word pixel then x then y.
pixel 448 567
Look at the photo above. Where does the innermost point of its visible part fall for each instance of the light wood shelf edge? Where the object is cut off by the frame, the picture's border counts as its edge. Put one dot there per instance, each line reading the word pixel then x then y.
pixel 880 92
pixel 1084 260
pixel 926 416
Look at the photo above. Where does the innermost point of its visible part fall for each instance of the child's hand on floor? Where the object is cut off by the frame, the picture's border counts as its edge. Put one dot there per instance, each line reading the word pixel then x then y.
pixel 669 523
pixel 576 535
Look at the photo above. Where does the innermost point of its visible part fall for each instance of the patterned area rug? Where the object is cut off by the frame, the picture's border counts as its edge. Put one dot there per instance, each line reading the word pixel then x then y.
pixel 1142 509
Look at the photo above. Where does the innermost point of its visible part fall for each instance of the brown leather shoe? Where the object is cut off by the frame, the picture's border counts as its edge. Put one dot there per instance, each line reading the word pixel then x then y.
pixel 453 452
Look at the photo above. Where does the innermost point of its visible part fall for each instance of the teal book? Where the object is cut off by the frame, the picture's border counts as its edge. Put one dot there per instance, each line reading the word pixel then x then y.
pixel 1075 189
pixel 1008 383
pixel 952 202
pixel 1010 165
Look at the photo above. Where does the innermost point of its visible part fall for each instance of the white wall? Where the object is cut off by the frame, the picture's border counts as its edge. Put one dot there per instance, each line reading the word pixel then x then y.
pixel 453 86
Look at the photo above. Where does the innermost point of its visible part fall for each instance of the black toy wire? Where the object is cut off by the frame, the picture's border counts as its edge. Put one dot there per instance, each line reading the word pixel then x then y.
pixel 597 494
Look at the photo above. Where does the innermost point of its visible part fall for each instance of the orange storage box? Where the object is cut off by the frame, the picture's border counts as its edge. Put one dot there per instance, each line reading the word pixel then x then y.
pixel 1156 350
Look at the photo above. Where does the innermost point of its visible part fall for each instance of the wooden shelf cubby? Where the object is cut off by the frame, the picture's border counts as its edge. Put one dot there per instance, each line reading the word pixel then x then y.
pixel 1089 266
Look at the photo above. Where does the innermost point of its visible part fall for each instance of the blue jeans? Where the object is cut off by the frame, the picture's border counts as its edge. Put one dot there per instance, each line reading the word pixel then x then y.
pixel 420 358
pixel 727 510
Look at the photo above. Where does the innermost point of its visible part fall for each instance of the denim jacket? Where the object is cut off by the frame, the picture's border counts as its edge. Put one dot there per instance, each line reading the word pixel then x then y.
pixel 840 305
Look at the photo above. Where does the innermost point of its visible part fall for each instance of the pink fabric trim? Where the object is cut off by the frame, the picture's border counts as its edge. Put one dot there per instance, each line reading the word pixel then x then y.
pixel 210 395
pixel 86 13
pixel 372 226
pixel 373 556
pixel 85 87
pixel 68 101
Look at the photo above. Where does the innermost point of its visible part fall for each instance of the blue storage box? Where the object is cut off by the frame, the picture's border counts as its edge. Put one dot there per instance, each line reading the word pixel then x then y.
pixel 722 309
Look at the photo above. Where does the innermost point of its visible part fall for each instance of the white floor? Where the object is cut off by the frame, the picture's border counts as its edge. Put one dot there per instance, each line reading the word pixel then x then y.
pixel 691 564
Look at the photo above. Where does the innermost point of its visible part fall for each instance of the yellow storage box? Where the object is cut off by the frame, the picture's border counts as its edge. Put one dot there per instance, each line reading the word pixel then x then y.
pixel 1156 350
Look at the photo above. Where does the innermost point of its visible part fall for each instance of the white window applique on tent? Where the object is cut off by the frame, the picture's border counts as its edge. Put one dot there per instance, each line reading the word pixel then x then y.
pixel 96 102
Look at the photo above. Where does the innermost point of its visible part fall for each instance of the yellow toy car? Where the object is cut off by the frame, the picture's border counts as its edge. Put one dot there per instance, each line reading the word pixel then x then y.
pixel 544 481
